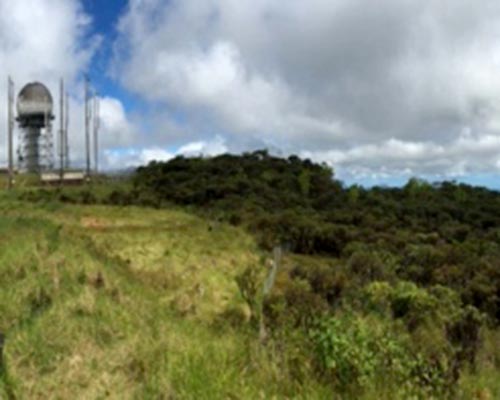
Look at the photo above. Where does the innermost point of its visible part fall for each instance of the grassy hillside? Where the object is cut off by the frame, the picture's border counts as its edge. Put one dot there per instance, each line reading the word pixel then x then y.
pixel 163 286
pixel 104 302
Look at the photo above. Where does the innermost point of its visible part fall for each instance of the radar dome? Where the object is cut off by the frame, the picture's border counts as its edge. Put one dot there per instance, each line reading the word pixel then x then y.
pixel 34 100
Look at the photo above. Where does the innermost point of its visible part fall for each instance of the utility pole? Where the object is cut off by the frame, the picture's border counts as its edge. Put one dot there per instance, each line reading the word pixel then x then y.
pixel 87 126
pixel 61 130
pixel 66 126
pixel 96 126
pixel 10 138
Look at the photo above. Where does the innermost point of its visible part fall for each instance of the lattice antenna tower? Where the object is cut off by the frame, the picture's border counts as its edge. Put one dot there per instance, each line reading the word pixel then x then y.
pixel 47 145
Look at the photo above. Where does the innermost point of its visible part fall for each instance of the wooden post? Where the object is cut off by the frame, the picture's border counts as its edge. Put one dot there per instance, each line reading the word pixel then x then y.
pixel 268 285
pixel 2 342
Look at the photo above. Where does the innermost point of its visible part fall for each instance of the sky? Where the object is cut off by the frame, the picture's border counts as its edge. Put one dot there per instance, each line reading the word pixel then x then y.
pixel 381 91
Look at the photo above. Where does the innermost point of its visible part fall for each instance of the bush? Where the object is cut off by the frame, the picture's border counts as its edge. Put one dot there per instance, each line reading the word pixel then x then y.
pixel 345 351
pixel 358 355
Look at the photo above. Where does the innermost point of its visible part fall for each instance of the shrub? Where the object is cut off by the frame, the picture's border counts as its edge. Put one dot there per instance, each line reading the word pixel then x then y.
pixel 345 352
pixel 250 283
pixel 358 354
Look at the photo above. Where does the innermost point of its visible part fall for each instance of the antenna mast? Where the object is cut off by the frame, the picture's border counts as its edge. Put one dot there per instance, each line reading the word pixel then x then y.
pixel 66 127
pixel 96 126
pixel 61 128
pixel 10 127
pixel 87 126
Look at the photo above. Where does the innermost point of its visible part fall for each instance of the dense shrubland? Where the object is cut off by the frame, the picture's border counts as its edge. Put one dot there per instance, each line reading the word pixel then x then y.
pixel 384 291
pixel 407 283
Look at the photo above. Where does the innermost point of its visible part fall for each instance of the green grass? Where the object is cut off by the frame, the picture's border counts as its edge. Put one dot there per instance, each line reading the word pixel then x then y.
pixel 135 303
pixel 109 302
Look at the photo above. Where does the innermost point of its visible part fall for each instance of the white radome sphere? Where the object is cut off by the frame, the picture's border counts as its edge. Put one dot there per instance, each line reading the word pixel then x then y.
pixel 34 99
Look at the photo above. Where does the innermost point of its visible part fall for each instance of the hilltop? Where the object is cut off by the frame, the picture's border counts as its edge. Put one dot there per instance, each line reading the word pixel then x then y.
pixel 162 286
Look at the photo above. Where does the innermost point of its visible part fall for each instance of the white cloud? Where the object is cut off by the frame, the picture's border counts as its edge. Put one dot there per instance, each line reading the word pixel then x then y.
pixel 204 148
pixel 117 159
pixel 154 154
pixel 117 129
pixel 397 88
pixel 128 158
pixel 375 89
pixel 45 39
pixel 464 156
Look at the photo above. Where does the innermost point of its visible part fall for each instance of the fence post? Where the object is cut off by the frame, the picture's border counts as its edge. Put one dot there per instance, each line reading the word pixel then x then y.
pixel 268 285
pixel 2 342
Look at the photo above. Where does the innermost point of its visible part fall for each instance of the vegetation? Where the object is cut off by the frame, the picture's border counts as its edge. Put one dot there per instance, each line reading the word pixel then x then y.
pixel 164 286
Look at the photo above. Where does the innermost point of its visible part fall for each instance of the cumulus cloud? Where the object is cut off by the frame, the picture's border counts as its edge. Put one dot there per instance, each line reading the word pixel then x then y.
pixel 204 148
pixel 44 39
pixel 134 157
pixel 118 159
pixel 116 125
pixel 400 85
pixel 465 156
pixel 117 131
